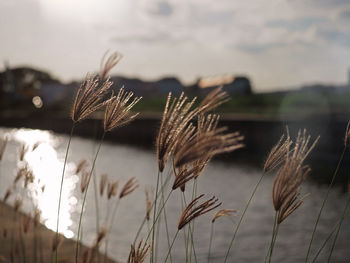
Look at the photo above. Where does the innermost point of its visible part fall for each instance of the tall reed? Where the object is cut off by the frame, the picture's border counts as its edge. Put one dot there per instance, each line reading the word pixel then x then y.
pixel 89 98
pixel 346 144
pixel 287 183
pixel 274 159
pixel 117 114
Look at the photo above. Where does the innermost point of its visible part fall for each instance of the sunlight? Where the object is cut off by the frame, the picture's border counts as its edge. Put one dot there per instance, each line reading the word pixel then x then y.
pixel 47 170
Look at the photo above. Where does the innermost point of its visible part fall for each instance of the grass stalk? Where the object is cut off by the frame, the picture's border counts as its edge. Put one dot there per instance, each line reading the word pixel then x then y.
pixel 325 242
pixel 60 195
pixel 190 230
pixel 154 220
pixel 274 242
pixel 110 228
pixel 190 234
pixel 152 205
pixel 338 229
pixel 156 240
pixel 210 240
pixel 323 203
pixel 272 238
pixel 242 216
pixel 84 200
pixel 96 204
pixel 194 194
pixel 171 246
pixel 165 217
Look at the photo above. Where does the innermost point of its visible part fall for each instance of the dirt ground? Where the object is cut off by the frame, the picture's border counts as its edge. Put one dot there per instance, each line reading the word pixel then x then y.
pixel 21 240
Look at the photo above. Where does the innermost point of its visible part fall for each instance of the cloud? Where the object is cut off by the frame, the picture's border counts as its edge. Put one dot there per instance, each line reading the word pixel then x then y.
pixel 164 9
pixel 334 36
pixel 296 24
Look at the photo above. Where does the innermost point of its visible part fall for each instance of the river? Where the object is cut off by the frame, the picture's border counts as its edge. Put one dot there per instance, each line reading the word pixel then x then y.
pixel 230 182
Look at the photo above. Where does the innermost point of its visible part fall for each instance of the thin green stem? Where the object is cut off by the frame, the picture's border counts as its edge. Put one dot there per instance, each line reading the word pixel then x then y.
pixel 156 240
pixel 97 211
pixel 325 242
pixel 194 193
pixel 190 230
pixel 145 218
pixel 110 227
pixel 155 221
pixel 210 240
pixel 188 234
pixel 154 215
pixel 183 205
pixel 60 195
pixel 84 200
pixel 274 242
pixel 96 203
pixel 272 237
pixel 171 246
pixel 323 203
pixel 165 217
pixel 338 230
pixel 242 216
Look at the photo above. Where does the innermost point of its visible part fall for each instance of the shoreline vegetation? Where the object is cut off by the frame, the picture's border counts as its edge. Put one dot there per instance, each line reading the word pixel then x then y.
pixel 190 134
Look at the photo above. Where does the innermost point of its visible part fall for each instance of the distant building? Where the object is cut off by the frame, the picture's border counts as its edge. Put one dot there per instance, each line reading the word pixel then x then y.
pixel 231 84
pixel 169 84
pixel 149 88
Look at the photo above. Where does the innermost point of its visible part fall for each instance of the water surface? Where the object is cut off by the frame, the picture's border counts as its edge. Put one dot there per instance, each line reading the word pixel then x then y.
pixel 231 182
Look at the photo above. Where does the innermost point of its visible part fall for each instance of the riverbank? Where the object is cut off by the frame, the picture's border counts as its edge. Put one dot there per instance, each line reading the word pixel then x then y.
pixel 33 244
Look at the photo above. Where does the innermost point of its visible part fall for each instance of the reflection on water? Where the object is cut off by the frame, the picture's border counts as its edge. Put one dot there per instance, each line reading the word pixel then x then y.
pixel 43 160
pixel 231 183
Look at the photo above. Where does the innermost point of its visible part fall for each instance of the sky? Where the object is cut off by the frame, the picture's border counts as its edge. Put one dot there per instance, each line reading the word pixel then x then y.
pixel 278 44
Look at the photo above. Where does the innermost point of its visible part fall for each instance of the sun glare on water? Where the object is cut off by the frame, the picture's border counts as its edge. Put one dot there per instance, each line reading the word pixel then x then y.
pixel 47 167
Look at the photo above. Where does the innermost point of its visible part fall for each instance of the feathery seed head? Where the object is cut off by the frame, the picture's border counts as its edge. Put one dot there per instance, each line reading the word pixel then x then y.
pixel 138 255
pixel 223 212
pixel 289 177
pixel 81 166
pixel 207 144
pixel 101 235
pixel 129 187
pixel 106 66
pixel 176 116
pixel 103 183
pixel 277 154
pixel 346 138
pixel 192 211
pixel 182 177
pixel 7 194
pixel 26 223
pixel 118 108
pixel 18 203
pixel 22 151
pixel 90 97
pixel 149 192
pixel 36 217
pixel 84 180
pixel 112 189
pixel 3 143
pixel 35 145
pixel 55 245
pixel 214 99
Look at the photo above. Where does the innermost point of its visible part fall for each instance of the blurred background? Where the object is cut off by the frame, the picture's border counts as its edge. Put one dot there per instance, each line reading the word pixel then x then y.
pixel 283 63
